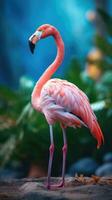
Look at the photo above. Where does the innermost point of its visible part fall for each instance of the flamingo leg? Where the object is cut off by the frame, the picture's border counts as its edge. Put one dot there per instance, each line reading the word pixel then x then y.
pixel 64 150
pixel 51 151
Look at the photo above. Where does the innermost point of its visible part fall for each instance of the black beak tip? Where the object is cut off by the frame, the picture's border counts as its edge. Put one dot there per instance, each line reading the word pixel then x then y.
pixel 32 46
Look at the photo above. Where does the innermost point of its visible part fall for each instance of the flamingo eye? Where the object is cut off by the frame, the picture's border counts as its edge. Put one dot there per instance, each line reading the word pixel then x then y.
pixel 38 34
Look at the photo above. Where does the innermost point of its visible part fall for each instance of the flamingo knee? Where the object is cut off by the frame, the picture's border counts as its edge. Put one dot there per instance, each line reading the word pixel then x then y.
pixel 51 149
pixel 64 149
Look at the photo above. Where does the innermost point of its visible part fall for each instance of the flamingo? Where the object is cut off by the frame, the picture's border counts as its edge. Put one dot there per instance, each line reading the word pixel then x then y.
pixel 61 101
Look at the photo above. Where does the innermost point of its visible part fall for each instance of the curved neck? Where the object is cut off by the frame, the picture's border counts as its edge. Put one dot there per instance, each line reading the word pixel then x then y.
pixel 54 66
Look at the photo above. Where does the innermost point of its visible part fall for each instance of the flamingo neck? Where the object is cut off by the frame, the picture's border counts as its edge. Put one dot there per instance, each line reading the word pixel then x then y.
pixel 54 66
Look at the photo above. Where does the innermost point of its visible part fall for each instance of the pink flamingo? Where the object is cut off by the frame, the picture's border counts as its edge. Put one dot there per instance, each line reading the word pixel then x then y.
pixel 60 100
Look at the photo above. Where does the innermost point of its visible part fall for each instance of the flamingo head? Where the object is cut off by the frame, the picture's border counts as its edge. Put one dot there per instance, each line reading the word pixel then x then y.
pixel 41 32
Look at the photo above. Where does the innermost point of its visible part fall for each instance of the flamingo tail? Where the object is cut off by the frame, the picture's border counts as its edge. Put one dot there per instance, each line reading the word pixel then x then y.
pixel 97 133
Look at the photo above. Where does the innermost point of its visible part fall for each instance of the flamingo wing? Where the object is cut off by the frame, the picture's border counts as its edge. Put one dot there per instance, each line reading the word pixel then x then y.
pixel 63 101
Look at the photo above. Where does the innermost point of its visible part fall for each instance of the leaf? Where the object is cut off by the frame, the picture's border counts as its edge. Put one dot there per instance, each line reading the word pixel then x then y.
pixel 26 83
pixel 98 105
pixel 7 149
pixel 24 112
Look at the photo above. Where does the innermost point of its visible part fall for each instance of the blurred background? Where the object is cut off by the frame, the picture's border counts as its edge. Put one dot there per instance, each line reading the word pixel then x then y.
pixel 86 28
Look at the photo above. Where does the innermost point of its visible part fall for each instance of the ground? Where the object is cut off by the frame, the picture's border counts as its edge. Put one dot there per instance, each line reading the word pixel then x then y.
pixel 76 188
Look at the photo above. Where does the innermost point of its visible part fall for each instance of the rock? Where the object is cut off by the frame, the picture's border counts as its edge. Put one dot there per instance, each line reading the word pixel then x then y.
pixel 104 170
pixel 10 174
pixel 86 166
pixel 76 188
pixel 12 171
pixel 107 157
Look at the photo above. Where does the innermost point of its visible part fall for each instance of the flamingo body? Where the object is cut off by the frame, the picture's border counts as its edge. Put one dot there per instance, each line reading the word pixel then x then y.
pixel 61 101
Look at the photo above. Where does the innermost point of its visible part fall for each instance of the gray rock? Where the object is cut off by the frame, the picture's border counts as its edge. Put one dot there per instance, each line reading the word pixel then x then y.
pixel 107 157
pixel 8 174
pixel 12 172
pixel 104 170
pixel 86 166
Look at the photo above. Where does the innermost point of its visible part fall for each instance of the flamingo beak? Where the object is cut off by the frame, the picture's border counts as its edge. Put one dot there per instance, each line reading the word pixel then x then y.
pixel 32 46
pixel 33 39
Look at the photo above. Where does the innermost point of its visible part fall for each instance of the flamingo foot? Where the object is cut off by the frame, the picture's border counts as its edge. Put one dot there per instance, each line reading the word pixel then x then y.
pixel 55 186
pixel 47 186
pixel 60 185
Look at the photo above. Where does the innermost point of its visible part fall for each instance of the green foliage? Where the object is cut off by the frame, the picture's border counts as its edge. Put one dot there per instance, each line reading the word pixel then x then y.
pixel 104 87
pixel 104 43
pixel 21 128
pixel 107 19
